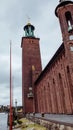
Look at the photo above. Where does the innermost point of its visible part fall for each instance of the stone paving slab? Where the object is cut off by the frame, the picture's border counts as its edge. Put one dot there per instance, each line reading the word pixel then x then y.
pixel 57 117
pixel 16 128
pixel 60 118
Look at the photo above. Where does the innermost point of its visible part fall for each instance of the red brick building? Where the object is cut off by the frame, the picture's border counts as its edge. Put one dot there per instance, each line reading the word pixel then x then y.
pixel 30 60
pixel 50 90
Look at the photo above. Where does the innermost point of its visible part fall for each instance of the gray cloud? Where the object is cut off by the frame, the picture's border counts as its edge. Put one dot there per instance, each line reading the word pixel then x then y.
pixel 13 17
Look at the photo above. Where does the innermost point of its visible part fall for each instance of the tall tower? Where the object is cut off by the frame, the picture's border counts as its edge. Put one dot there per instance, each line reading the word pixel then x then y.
pixel 64 11
pixel 31 61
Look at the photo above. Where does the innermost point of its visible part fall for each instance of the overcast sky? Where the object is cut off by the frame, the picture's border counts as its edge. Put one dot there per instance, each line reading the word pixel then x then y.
pixel 13 17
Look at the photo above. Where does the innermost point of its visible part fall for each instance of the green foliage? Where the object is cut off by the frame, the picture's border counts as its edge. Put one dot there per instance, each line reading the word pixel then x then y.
pixel 29 125
pixel 25 124
pixel 14 123
pixel 19 122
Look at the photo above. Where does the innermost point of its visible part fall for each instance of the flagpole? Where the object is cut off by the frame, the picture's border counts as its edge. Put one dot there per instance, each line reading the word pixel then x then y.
pixel 10 89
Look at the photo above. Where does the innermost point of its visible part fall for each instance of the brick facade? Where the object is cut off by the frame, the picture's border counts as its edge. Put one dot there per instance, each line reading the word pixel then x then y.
pixel 30 59
pixel 53 88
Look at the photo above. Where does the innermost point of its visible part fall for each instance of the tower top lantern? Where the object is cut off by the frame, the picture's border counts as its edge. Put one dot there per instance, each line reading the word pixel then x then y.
pixel 29 30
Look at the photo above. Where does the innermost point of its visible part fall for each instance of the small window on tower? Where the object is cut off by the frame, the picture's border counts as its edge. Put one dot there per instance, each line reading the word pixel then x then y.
pixel 71 37
pixel 69 21
pixel 71 48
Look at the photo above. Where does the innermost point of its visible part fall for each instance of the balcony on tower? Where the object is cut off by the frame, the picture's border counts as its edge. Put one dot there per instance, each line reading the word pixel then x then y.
pixel 30 93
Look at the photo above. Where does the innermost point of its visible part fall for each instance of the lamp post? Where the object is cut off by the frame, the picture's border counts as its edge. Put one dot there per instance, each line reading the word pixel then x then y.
pixel 34 118
pixel 16 106
pixel 10 116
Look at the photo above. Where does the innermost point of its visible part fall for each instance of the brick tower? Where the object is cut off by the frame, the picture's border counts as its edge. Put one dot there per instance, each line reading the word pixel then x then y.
pixel 31 66
pixel 64 11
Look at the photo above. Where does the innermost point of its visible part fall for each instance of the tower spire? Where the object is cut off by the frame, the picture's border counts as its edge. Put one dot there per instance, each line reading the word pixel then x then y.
pixel 28 20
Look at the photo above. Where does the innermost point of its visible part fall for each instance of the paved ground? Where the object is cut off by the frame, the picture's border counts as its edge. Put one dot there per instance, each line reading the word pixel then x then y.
pixel 59 118
pixel 17 129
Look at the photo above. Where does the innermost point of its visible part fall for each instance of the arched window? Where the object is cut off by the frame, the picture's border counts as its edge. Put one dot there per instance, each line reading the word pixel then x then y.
pixel 69 21
pixel 49 98
pixel 68 70
pixel 70 81
pixel 53 82
pixel 55 96
pixel 62 95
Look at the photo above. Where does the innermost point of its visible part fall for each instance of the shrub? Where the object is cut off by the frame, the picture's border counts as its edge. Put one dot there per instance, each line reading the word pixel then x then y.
pixel 19 122
pixel 14 123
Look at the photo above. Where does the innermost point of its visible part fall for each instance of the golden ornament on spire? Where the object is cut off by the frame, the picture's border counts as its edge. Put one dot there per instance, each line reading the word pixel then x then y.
pixel 28 23
pixel 33 68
